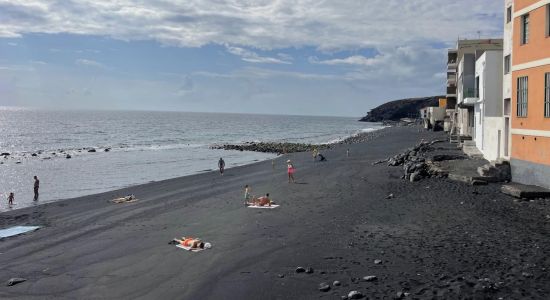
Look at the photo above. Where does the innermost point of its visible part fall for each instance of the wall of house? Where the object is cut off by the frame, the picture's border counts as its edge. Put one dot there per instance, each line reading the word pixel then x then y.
pixel 436 114
pixel 535 119
pixel 522 4
pixel 507 78
pixel 538 44
pixel 530 154
pixel 468 73
pixel 491 83
pixel 478 125
pixel 493 138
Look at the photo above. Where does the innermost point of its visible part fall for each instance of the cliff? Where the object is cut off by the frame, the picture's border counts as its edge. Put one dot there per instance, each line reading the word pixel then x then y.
pixel 397 109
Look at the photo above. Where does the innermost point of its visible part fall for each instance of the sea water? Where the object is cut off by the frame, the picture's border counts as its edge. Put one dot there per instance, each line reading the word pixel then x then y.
pixel 134 147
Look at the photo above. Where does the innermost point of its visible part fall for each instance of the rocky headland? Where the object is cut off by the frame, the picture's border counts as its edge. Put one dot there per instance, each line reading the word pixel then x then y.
pixel 398 109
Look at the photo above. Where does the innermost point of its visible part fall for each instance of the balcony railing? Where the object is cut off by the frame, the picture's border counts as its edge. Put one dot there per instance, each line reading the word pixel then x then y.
pixel 451 90
pixel 451 77
pixel 469 93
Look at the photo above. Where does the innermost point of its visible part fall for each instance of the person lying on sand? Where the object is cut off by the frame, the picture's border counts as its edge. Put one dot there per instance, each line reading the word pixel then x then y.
pixel 128 198
pixel 193 243
pixel 262 201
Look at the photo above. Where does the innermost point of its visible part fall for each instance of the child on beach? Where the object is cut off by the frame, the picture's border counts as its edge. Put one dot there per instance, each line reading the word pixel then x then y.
pixel 10 199
pixel 315 153
pixel 290 171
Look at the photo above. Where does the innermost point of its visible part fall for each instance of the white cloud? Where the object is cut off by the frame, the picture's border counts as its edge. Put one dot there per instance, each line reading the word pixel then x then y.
pixel 253 57
pixel 89 63
pixel 262 24
pixel 357 60
pixel 38 62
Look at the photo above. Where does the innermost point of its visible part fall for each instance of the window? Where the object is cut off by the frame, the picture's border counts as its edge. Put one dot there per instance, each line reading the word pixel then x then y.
pixel 547 95
pixel 548 20
pixel 509 14
pixel 476 92
pixel 522 96
pixel 525 29
pixel 507 64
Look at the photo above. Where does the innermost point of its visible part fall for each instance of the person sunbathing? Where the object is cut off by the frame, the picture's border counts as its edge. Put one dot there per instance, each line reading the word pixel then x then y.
pixel 262 201
pixel 193 243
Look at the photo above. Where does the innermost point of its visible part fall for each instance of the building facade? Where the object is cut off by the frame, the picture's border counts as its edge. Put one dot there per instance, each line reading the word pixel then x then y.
pixel 530 107
pixel 461 82
pixel 507 76
pixel 488 121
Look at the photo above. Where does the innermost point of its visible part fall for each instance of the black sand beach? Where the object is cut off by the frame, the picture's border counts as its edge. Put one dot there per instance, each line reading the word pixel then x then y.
pixel 435 239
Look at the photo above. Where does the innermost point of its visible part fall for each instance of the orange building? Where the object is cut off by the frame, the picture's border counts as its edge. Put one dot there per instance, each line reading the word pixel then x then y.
pixel 530 114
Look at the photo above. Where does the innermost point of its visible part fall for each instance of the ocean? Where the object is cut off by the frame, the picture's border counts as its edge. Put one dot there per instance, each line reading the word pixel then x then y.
pixel 134 147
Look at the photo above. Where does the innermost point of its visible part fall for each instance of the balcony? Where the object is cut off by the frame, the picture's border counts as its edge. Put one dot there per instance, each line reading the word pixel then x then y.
pixel 452 65
pixel 451 78
pixel 451 91
pixel 470 93
pixel 470 97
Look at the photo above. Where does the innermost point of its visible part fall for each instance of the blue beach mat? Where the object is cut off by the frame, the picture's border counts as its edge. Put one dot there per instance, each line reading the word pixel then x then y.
pixel 16 230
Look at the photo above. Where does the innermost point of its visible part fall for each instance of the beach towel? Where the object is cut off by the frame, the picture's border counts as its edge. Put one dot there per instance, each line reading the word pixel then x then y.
pixel 189 248
pixel 16 230
pixel 265 206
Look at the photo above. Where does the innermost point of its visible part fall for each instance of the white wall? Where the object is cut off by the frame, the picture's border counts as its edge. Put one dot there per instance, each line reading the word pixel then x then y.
pixel 488 112
pixel 507 50
pixel 478 119
pixel 491 128
pixel 436 114
pixel 507 79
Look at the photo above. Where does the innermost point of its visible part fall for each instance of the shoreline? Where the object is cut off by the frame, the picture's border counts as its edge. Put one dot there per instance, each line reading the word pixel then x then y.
pixel 243 161
pixel 434 237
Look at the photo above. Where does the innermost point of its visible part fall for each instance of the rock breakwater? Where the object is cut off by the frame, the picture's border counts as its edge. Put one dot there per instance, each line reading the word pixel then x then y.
pixel 287 147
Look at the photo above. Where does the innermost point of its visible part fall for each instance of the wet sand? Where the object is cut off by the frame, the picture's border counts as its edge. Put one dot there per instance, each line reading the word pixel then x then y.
pixel 435 238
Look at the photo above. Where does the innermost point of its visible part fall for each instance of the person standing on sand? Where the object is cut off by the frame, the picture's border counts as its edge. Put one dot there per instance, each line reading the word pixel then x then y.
pixel 315 153
pixel 347 152
pixel 36 187
pixel 246 194
pixel 290 171
pixel 10 199
pixel 221 165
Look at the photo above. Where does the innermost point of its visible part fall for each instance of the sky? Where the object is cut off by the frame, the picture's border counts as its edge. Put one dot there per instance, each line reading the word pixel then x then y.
pixel 304 57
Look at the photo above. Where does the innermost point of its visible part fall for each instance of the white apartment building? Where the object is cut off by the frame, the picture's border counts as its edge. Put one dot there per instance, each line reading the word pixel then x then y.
pixel 464 58
pixel 488 122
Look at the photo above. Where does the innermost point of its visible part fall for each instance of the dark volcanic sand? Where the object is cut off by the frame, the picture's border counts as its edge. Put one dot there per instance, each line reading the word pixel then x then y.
pixel 436 238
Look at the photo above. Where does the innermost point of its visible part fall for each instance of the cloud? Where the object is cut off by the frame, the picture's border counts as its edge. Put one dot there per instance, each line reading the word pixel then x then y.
pixel 357 60
pixel 253 57
pixel 187 85
pixel 411 62
pixel 262 24
pixel 88 63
